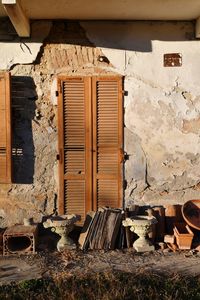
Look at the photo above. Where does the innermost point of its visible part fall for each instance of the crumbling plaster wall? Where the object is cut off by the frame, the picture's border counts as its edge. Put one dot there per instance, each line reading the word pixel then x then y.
pixel 162 109
pixel 60 48
pixel 162 122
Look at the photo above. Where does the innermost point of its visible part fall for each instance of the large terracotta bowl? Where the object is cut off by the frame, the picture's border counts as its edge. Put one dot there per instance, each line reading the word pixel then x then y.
pixel 191 213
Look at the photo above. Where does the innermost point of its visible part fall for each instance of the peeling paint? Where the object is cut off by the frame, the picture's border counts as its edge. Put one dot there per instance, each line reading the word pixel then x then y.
pixel 191 126
pixel 161 133
pixel 161 109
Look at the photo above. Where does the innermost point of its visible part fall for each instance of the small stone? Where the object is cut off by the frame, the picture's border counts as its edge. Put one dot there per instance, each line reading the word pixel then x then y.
pixel 166 250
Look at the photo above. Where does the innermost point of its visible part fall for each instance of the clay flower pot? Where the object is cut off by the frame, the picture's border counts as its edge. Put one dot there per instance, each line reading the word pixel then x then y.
pixel 184 235
pixel 191 213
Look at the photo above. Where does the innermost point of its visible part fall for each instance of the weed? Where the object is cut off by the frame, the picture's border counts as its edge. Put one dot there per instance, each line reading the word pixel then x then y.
pixel 105 286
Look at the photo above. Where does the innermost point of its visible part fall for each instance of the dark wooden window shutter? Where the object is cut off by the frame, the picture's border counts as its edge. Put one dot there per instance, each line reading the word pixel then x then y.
pixel 5 129
pixel 90 143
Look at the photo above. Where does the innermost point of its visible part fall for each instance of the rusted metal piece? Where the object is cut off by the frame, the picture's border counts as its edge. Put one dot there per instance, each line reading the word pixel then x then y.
pixel 172 60
pixel 20 239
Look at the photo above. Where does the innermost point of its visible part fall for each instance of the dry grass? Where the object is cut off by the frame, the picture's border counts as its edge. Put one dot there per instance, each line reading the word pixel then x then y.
pixel 105 286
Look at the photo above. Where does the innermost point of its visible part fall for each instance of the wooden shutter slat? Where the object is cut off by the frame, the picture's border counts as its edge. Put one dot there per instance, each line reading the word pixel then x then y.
pixel 74 122
pixel 106 193
pixel 74 192
pixel 90 108
pixel 75 142
pixel 2 92
pixel 107 141
pixel 5 129
pixel 74 132
pixel 74 161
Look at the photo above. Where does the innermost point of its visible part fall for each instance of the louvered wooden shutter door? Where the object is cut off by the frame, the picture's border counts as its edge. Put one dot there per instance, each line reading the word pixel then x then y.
pixel 75 145
pixel 107 141
pixel 5 129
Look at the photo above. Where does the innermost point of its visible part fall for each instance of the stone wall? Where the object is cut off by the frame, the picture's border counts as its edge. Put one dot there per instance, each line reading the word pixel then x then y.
pixel 65 50
pixel 161 109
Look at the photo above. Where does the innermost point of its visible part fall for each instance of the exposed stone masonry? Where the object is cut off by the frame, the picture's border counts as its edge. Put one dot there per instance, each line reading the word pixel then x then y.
pixel 34 193
pixel 161 109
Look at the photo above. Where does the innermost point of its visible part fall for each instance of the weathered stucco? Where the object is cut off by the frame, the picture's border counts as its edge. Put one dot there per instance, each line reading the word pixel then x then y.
pixel 162 120
pixel 162 107
pixel 35 172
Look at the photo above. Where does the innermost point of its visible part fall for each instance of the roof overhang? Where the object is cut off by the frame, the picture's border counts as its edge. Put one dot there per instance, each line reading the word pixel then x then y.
pixel 21 11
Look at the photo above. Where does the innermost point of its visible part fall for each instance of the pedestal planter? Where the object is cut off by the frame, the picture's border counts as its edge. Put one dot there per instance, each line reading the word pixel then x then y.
pixel 141 225
pixel 63 225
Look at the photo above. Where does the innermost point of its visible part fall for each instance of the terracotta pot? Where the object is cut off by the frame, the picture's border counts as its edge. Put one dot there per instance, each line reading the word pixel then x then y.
pixel 173 215
pixel 152 232
pixel 183 235
pixel 191 213
pixel 159 213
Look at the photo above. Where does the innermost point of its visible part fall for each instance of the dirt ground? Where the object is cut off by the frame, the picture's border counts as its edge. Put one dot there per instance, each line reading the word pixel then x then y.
pixel 55 264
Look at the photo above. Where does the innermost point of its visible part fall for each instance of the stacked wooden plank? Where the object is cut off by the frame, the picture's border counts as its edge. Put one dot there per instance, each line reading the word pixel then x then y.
pixel 103 230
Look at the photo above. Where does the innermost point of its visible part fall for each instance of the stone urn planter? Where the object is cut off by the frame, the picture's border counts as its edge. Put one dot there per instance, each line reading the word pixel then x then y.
pixel 63 225
pixel 141 225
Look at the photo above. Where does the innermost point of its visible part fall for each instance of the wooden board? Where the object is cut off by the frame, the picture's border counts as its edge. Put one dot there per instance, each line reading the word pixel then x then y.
pixel 5 128
pixel 85 230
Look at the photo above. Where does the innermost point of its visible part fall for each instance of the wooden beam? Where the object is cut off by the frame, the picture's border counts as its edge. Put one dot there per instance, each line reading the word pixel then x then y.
pixel 197 29
pixel 17 17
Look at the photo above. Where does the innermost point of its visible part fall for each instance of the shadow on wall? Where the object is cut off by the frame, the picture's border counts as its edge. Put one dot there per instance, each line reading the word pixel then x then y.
pixel 121 35
pixel 137 35
pixel 23 111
